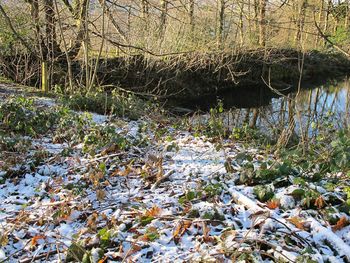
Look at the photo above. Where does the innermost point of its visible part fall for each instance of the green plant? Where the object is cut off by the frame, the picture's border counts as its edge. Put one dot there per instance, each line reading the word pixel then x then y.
pixel 20 115
pixel 264 192
pixel 103 136
pixel 212 190
pixel 215 123
pixel 189 196
pixel 113 103
pixel 340 156
pixel 14 143
pixel 71 126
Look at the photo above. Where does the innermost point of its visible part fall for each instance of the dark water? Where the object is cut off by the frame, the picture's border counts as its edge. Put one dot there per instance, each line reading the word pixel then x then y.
pixel 262 107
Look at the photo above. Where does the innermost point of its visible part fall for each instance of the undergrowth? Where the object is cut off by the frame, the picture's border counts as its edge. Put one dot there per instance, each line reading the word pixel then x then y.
pixel 112 103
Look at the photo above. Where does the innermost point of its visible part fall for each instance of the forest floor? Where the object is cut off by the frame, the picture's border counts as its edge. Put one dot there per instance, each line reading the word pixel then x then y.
pixel 84 187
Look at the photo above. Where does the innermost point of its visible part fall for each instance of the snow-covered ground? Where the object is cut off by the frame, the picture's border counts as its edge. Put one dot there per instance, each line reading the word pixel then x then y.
pixel 175 200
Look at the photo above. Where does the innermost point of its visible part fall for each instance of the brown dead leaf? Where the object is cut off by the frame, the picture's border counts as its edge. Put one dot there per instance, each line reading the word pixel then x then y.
pixel 3 239
pixel 228 165
pixel 91 221
pixel 134 231
pixel 229 233
pixel 296 221
pixel 180 229
pixel 110 149
pixel 103 260
pixel 342 222
pixel 134 248
pixel 319 202
pixel 154 211
pixel 143 238
pixel 126 171
pixel 35 239
pixel 187 207
pixel 123 172
pixel 273 204
pixel 100 194
pixel 152 159
pixel 206 233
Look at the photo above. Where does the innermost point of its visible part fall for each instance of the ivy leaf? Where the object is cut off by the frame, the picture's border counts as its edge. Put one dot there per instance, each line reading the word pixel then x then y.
pixel 298 193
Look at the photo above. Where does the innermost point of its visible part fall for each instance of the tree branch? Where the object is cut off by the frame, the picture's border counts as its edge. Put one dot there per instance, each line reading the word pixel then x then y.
pixel 17 35
pixel 69 6
pixel 329 41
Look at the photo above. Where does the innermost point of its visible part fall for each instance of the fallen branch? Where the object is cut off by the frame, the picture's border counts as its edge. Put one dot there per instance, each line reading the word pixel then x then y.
pixel 317 229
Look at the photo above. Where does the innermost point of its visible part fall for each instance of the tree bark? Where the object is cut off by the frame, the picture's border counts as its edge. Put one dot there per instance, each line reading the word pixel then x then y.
pixel 221 23
pixel 262 23
pixel 191 15
pixel 163 17
pixel 52 47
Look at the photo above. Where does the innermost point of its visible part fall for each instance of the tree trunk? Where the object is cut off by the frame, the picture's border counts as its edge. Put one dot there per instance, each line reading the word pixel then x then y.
pixel 34 13
pixel 301 22
pixel 52 47
pixel 240 24
pixel 262 24
pixel 163 17
pixel 191 15
pixel 80 13
pixel 221 23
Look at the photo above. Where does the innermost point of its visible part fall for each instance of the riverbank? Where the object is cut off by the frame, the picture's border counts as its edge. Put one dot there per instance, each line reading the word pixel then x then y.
pixel 192 75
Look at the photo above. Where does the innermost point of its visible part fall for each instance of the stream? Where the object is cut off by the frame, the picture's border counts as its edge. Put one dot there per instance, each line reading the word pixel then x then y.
pixel 271 110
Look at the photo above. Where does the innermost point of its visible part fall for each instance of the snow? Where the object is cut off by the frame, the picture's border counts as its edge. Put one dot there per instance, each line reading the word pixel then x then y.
pixel 57 200
pixel 322 233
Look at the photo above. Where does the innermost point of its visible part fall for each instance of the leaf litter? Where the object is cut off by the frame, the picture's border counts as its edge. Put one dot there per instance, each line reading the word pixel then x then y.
pixel 168 196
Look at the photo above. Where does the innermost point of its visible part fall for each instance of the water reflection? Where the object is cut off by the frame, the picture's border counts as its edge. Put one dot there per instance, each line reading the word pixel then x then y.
pixel 302 111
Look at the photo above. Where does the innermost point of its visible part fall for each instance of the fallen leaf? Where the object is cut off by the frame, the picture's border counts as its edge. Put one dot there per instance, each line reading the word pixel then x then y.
pixel 206 233
pixel 319 202
pixel 342 222
pixel 103 260
pixel 35 239
pixel 273 204
pixel 296 221
pixel 126 171
pixel 228 165
pixel 3 239
pixel 229 233
pixel 91 221
pixel 154 211
pixel 134 248
pixel 100 194
pixel 110 149
pixel 180 229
